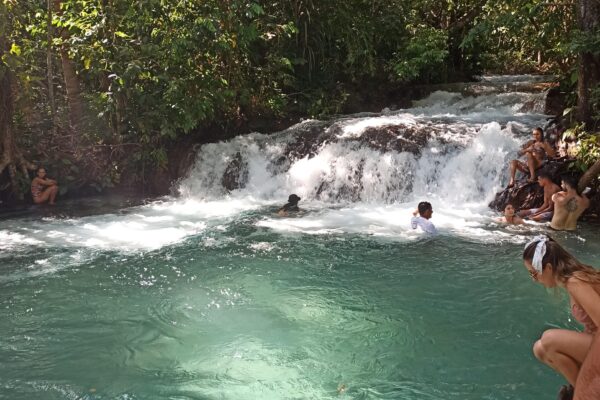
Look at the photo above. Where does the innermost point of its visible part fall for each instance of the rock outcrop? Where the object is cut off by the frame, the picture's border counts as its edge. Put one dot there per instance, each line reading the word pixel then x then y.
pixel 525 195
pixel 236 173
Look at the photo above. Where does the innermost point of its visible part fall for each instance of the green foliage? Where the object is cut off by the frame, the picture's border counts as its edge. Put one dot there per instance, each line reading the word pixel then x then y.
pixel 152 71
pixel 422 57
pixel 584 42
pixel 525 35
pixel 587 149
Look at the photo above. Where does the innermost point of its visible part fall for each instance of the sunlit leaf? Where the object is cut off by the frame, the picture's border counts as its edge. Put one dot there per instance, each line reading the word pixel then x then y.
pixel 15 49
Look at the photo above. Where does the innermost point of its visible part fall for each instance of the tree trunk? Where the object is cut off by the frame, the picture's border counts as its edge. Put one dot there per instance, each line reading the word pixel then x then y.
pixel 72 85
pixel 588 19
pixel 592 173
pixel 6 115
pixel 50 68
pixel 10 155
pixel 73 90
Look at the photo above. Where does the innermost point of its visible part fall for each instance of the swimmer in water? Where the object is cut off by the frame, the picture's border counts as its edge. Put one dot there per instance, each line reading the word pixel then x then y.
pixel 510 218
pixel 422 220
pixel 290 206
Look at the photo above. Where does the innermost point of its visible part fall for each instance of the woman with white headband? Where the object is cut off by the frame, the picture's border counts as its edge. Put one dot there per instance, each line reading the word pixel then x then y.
pixel 552 266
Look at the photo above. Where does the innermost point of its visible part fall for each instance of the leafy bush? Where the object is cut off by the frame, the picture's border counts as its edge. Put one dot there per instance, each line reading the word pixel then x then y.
pixel 587 149
pixel 423 57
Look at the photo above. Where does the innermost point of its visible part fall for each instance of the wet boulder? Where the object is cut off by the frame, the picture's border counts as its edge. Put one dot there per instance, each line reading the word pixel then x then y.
pixel 236 173
pixel 525 195
pixel 399 138
pixel 522 196
pixel 308 141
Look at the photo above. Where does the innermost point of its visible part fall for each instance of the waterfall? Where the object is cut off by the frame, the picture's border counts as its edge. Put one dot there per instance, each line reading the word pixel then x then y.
pixel 451 147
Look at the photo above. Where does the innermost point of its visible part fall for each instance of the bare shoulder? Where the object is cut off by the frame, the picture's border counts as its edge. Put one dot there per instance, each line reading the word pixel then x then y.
pixel 558 197
pixel 574 282
pixel 574 285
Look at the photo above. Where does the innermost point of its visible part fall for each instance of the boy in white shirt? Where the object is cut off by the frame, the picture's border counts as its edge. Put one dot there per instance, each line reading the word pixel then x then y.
pixel 422 221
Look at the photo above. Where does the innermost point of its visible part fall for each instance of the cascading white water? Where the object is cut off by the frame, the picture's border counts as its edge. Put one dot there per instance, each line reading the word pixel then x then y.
pixel 464 161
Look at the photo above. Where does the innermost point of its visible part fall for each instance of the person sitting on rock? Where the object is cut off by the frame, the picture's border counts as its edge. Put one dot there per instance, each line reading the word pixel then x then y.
pixel 536 151
pixel 290 206
pixel 425 211
pixel 545 212
pixel 510 217
pixel 43 189
pixel 569 204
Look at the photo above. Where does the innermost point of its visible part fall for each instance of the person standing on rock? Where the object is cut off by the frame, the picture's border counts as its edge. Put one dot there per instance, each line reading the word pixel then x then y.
pixel 545 212
pixel 424 211
pixel 536 150
pixel 290 206
pixel 569 204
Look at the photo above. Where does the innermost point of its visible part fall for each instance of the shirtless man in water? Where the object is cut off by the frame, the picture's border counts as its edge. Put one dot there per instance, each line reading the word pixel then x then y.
pixel 568 206
pixel 43 189
pixel 546 211
pixel 536 151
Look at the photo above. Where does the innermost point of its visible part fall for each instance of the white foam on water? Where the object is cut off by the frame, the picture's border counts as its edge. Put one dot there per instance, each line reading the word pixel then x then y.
pixel 355 127
pixel 9 240
pixel 142 228
pixel 392 222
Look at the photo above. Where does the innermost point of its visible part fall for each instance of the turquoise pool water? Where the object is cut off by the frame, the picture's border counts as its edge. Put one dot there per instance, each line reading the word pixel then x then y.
pixel 241 312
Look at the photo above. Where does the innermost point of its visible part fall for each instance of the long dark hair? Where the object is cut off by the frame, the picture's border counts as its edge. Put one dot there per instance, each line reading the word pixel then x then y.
pixel 564 265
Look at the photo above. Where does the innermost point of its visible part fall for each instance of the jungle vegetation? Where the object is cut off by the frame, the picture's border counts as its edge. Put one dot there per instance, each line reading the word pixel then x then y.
pixel 99 90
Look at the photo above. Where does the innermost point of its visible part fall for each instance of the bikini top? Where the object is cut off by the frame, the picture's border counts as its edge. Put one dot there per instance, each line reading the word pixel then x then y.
pixel 583 318
pixel 36 189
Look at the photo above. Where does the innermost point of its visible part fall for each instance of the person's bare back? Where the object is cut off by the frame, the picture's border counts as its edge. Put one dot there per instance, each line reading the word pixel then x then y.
pixel 568 207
